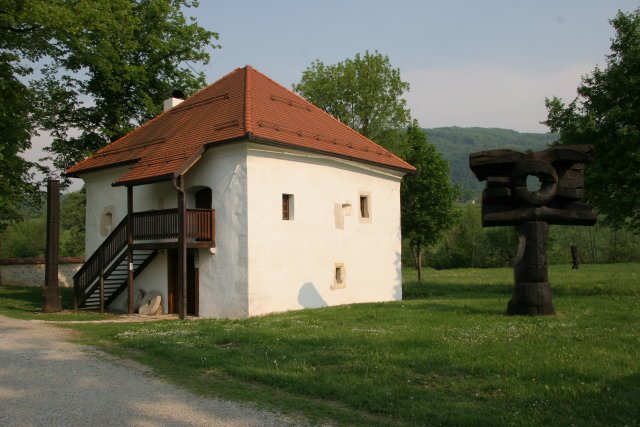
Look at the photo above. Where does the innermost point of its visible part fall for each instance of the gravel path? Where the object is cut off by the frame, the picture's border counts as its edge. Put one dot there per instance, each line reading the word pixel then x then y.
pixel 47 381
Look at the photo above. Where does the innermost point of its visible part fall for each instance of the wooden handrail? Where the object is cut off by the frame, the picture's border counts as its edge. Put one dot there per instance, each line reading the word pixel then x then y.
pixel 107 251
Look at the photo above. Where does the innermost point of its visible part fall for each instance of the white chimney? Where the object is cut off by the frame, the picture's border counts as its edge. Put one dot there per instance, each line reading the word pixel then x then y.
pixel 168 104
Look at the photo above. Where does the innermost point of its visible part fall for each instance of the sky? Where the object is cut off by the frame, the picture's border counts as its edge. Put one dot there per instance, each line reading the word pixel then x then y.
pixel 486 63
pixel 469 63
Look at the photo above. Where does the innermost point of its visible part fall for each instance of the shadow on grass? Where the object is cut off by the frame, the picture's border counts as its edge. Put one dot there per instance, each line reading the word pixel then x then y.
pixel 27 301
pixel 28 295
pixel 456 307
pixel 422 290
pixel 594 290
pixel 622 398
pixel 425 290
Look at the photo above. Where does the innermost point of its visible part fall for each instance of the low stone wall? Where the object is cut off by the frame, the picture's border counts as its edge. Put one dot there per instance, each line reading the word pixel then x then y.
pixel 30 271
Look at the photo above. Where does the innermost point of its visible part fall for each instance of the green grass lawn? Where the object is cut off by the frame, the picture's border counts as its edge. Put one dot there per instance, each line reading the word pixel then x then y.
pixel 445 355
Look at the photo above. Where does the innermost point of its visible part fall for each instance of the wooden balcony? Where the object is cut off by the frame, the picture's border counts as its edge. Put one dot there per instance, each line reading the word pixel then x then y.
pixel 150 230
pixel 158 229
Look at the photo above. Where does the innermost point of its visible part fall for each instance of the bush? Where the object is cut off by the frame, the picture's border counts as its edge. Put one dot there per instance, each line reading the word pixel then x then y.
pixel 467 244
pixel 24 239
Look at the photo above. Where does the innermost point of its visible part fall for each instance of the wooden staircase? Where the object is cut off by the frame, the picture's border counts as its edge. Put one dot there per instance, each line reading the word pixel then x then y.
pixel 104 275
pixel 115 278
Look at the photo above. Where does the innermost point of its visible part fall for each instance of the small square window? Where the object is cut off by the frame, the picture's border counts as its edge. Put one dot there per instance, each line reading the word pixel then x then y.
pixel 287 207
pixel 339 277
pixel 365 206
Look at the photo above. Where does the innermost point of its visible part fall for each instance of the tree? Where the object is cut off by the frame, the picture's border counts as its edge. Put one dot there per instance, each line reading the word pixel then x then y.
pixel 117 62
pixel 427 197
pixel 364 92
pixel 606 113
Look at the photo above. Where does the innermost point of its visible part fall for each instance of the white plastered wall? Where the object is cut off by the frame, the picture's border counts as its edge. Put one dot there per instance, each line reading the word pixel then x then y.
pixel 292 263
pixel 223 274
pixel 100 195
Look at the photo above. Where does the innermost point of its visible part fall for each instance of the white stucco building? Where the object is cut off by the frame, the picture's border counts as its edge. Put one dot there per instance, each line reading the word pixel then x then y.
pixel 242 200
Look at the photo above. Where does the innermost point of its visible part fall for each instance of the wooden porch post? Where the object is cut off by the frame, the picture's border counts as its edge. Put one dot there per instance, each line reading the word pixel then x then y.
pixel 130 246
pixel 182 250
pixel 52 301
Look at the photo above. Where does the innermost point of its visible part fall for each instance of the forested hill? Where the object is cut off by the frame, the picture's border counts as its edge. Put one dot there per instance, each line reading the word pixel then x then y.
pixel 455 144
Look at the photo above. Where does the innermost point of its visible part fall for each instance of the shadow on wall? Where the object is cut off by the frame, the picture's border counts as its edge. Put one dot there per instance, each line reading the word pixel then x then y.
pixel 308 296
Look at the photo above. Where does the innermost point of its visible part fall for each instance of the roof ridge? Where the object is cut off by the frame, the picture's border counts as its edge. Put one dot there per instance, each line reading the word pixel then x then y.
pixel 248 125
pixel 313 106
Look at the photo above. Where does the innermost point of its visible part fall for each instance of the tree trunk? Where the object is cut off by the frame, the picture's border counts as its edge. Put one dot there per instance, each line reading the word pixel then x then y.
pixel 419 262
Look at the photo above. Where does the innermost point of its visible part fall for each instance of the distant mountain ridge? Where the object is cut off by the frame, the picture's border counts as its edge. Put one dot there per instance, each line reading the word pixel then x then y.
pixel 455 144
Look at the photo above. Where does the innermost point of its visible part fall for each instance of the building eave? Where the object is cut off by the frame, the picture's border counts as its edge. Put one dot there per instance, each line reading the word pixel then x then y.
pixel 77 174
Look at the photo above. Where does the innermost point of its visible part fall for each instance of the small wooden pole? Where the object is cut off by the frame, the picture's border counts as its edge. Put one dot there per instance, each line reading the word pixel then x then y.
pixel 182 251
pixel 52 299
pixel 575 257
pixel 130 247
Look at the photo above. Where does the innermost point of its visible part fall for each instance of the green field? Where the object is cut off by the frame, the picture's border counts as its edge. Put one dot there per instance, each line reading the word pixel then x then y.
pixel 445 355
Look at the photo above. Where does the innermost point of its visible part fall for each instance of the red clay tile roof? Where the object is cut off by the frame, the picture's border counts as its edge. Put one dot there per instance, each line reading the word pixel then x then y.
pixel 244 104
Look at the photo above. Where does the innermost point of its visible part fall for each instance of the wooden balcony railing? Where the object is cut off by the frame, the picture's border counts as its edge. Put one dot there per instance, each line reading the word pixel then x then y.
pixel 163 225
pixel 201 225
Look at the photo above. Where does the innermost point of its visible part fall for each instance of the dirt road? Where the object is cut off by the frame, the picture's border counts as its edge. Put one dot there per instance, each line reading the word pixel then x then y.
pixel 47 381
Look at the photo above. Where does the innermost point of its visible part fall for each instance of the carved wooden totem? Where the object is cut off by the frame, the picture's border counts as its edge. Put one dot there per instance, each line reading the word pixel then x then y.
pixel 556 199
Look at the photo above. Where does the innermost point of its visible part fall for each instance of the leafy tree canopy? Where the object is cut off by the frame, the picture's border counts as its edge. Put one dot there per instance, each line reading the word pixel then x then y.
pixel 364 92
pixel 606 113
pixel 104 67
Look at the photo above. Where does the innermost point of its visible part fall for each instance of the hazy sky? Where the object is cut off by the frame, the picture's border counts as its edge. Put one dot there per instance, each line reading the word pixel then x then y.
pixel 469 63
pixel 482 63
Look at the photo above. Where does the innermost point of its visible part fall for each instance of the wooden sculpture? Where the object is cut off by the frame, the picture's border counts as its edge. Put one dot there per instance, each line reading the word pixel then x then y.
pixel 509 200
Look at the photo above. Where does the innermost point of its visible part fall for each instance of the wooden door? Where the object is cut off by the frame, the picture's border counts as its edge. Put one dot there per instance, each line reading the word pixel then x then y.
pixel 192 283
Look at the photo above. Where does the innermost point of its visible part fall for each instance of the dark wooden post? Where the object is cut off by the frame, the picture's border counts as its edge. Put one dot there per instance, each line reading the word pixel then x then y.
pixel 101 272
pixel 130 247
pixel 182 250
pixel 52 299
